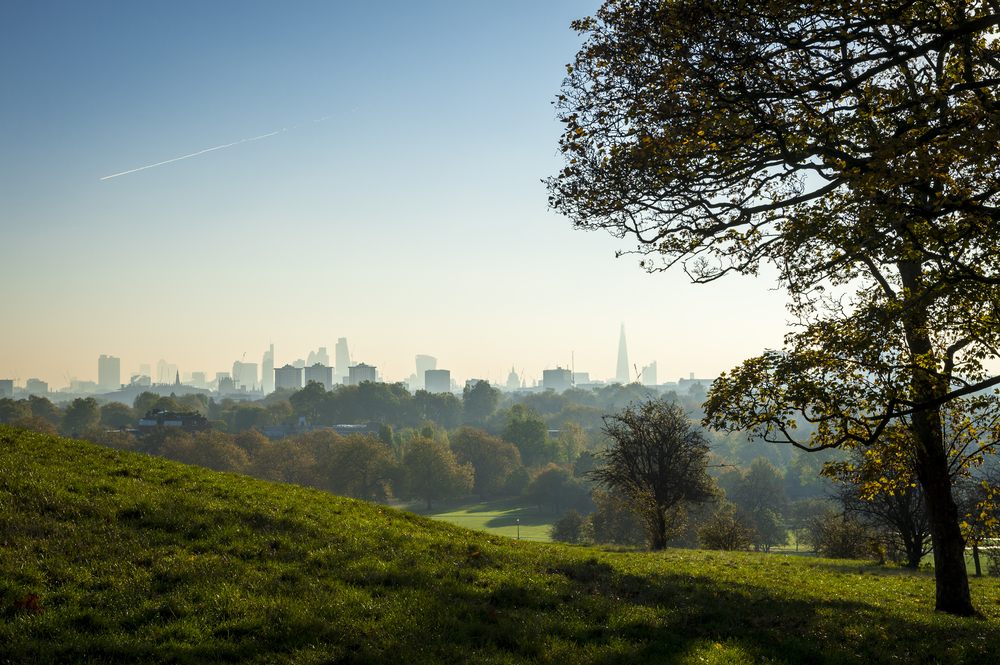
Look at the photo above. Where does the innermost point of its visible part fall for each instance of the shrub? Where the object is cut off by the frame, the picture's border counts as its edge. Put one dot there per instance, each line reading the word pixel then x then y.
pixel 613 522
pixel 840 537
pixel 569 528
pixel 728 530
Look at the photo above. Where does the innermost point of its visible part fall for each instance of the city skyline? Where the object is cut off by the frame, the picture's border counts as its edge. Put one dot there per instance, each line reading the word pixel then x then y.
pixel 368 172
pixel 247 373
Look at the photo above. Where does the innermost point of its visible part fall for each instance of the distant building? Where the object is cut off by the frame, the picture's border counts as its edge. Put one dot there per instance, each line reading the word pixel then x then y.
pixel 6 388
pixel 226 385
pixel 267 371
pixel 425 363
pixel 288 377
pixel 109 373
pixel 693 385
pixel 581 377
pixel 343 358
pixel 557 379
pixel 141 380
pixel 621 372
pixel 649 374
pixel 319 357
pixel 361 372
pixel 245 374
pixel 144 370
pixel 199 379
pixel 188 422
pixel 37 387
pixel 513 381
pixel 165 372
pixel 320 374
pixel 77 386
pixel 437 380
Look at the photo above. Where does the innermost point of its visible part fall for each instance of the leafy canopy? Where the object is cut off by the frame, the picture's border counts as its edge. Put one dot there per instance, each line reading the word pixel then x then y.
pixel 853 147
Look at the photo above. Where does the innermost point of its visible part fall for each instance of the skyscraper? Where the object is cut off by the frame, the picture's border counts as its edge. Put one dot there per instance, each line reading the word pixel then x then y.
pixel 267 371
pixel 649 374
pixel 343 358
pixel 318 357
pixel 425 363
pixel 109 373
pixel 621 373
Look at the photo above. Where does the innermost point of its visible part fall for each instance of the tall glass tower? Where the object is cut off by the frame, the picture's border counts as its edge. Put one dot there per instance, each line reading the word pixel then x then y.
pixel 621 374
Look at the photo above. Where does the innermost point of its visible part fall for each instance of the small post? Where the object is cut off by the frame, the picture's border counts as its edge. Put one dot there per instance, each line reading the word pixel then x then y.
pixel 519 528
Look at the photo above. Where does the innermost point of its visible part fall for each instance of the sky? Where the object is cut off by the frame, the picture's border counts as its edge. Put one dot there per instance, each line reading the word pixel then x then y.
pixel 380 180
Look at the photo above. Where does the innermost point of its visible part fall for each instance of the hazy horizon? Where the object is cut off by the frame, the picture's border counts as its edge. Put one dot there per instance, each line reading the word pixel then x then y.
pixel 192 182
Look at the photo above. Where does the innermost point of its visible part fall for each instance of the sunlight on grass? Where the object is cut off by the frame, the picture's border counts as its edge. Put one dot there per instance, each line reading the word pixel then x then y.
pixel 499 517
pixel 114 557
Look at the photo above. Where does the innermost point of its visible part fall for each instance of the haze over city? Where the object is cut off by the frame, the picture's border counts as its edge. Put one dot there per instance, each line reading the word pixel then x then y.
pixel 193 183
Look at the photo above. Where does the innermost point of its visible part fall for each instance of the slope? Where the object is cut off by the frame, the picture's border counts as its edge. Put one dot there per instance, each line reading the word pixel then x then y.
pixel 114 557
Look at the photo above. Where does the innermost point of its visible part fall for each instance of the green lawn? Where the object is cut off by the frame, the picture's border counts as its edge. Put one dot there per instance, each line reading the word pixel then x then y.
pixel 114 557
pixel 502 517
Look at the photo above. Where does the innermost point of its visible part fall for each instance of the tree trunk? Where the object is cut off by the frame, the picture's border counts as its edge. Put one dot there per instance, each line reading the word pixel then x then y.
pixel 950 574
pixel 975 558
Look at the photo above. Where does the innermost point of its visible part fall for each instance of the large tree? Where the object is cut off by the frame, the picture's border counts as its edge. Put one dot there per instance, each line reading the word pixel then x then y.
pixel 658 463
pixel 362 467
pixel 491 458
pixel 431 472
pixel 853 146
pixel 478 402
pixel 81 414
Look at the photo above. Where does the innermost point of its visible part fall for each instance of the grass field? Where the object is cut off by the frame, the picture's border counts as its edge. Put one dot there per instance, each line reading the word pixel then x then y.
pixel 503 517
pixel 113 557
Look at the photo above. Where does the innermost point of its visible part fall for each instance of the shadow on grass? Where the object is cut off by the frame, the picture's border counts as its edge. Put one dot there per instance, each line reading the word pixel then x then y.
pixel 512 520
pixel 629 619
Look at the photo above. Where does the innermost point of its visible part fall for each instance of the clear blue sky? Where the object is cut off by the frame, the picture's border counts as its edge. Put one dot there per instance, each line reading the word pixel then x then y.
pixel 398 204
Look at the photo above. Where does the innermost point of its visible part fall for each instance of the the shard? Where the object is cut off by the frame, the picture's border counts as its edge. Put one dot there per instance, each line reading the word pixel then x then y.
pixel 621 374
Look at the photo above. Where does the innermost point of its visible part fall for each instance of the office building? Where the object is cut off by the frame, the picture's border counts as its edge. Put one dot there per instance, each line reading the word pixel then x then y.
pixel 319 357
pixel 319 373
pixel 425 363
pixel 6 388
pixel 361 372
pixel 557 379
pixel 245 374
pixel 109 373
pixel 37 387
pixel 437 380
pixel 343 358
pixel 267 371
pixel 288 377
pixel 649 374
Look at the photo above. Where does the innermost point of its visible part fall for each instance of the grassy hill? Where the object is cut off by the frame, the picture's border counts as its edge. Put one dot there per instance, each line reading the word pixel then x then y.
pixel 110 556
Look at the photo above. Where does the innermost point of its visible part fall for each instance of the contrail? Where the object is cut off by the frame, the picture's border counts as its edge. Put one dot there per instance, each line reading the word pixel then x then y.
pixel 193 154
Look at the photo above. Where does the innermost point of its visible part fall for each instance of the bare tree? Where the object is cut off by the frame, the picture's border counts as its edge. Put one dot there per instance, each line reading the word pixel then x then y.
pixel 657 461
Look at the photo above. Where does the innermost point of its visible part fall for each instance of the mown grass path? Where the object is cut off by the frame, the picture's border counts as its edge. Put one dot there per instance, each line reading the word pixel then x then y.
pixel 136 559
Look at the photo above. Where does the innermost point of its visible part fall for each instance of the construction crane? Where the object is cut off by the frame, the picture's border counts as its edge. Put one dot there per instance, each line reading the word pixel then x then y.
pixel 236 379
